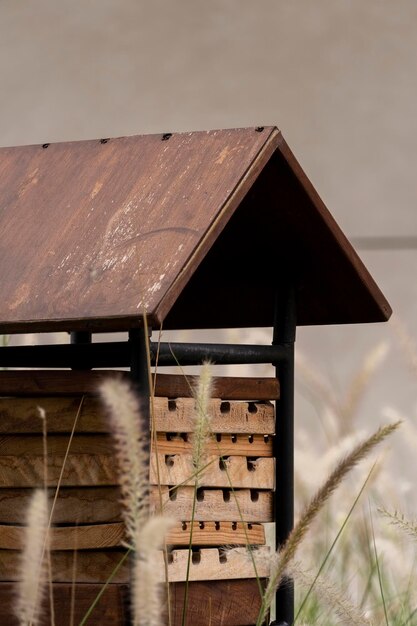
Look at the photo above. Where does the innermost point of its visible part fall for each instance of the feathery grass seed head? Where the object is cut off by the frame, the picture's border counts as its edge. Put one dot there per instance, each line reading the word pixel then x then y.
pixel 32 581
pixel 132 451
pixel 146 596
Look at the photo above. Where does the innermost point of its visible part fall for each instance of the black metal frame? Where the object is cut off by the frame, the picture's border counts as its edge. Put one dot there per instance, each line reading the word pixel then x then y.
pixel 82 354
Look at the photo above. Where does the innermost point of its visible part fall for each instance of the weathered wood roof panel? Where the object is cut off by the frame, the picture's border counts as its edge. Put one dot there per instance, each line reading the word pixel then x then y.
pixel 94 233
pixel 97 230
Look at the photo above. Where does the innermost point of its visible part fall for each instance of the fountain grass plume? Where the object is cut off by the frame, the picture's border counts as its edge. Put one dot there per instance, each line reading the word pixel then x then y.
pixel 132 452
pixel 285 556
pixel 146 589
pixel 32 583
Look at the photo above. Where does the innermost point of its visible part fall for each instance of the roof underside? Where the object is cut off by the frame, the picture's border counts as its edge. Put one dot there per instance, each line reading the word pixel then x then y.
pixel 198 229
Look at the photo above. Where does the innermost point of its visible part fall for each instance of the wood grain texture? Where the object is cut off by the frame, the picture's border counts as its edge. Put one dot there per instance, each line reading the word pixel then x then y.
pixel 166 443
pixel 40 383
pixel 111 610
pixel 100 469
pixel 21 415
pixel 96 566
pixel 99 505
pixel 224 603
pixel 218 603
pixel 114 225
pixel 98 536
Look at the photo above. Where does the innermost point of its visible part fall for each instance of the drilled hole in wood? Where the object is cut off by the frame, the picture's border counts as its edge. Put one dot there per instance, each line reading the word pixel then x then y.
pixel 225 407
pixel 196 557
pixel 184 525
pixel 201 525
pixel 172 405
pixel 223 464
pixel 184 437
pixel 251 464
pixel 226 495
pixel 254 495
pixel 249 526
pixel 45 145
pixel 252 408
pixel 233 438
pixel 169 460
pixel 166 136
pixel 266 438
pixel 172 494
pixel 217 525
pixel 250 438
pixel 222 556
pixel 234 525
pixel 170 436
pixel 218 437
pixel 200 495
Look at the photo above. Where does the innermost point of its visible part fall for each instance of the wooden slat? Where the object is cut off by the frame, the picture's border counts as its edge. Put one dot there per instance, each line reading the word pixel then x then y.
pixel 241 472
pixel 97 566
pixel 217 603
pixel 99 536
pixel 21 415
pixel 112 609
pixel 86 505
pixel 90 505
pixel 100 469
pixel 222 445
pixel 68 382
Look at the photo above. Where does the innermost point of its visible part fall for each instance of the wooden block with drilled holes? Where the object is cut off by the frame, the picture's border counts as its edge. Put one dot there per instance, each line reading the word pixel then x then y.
pixel 21 415
pixel 90 505
pixel 236 471
pixel 97 536
pixel 97 565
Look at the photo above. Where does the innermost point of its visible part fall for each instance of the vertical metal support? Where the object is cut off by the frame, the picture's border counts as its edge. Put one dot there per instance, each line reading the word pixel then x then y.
pixel 81 338
pixel 284 335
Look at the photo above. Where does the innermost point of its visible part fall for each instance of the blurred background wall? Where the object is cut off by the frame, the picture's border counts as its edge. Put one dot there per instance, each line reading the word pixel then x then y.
pixel 337 76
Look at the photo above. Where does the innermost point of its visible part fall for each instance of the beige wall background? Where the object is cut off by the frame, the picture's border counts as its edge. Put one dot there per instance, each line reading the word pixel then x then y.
pixel 337 76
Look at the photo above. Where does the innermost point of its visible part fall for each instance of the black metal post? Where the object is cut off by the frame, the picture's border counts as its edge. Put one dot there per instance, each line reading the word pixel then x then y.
pixel 80 338
pixel 284 335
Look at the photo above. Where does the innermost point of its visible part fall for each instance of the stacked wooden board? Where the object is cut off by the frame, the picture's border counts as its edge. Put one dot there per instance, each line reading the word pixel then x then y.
pixel 234 497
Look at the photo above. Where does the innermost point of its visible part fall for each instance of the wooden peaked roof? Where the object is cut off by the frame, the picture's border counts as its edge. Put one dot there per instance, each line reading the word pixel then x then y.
pixel 197 229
